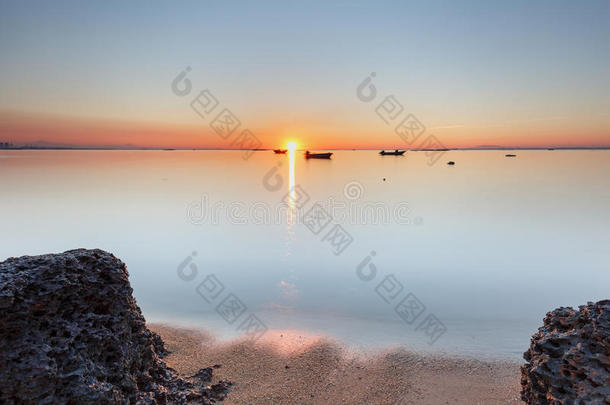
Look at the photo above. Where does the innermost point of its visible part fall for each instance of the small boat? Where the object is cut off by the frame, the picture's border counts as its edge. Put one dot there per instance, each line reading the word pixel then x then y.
pixel 510 155
pixel 451 163
pixel 309 155
pixel 395 153
pixel 280 151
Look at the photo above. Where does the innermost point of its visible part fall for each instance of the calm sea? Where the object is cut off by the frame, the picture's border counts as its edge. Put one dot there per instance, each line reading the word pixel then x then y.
pixel 371 250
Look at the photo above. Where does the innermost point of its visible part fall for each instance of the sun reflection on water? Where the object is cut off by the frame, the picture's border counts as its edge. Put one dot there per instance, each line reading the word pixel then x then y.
pixel 291 191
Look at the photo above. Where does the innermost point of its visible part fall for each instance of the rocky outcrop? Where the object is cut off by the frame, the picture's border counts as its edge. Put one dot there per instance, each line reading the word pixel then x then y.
pixel 568 361
pixel 71 332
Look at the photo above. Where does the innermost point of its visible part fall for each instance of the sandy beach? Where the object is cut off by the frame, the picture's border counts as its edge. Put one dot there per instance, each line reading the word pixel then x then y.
pixel 305 202
pixel 291 367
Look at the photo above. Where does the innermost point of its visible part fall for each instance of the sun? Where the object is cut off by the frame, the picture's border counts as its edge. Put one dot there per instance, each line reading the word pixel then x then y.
pixel 291 145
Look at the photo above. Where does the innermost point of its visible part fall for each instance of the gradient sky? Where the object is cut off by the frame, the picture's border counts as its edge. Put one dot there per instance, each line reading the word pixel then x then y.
pixel 473 72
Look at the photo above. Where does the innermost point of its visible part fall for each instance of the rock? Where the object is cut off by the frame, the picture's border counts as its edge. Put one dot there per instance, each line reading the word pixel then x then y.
pixel 568 361
pixel 71 332
pixel 205 374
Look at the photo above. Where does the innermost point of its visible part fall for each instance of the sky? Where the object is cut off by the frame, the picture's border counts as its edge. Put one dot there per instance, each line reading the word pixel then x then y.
pixel 514 73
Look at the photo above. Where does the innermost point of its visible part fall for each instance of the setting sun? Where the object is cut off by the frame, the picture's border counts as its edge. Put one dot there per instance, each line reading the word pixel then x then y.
pixel 328 194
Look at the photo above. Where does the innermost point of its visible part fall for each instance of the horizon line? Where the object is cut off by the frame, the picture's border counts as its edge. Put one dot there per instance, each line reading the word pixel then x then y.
pixel 26 147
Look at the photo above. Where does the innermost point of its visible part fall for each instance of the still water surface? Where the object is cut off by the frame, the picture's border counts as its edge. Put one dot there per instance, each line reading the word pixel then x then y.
pixel 487 246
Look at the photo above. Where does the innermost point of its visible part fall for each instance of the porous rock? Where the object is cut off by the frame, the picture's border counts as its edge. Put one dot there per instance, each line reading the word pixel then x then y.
pixel 568 361
pixel 71 332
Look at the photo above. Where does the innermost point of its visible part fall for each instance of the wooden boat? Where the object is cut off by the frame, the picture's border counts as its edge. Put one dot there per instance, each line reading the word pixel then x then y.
pixel 451 163
pixel 395 153
pixel 280 151
pixel 309 155
pixel 510 155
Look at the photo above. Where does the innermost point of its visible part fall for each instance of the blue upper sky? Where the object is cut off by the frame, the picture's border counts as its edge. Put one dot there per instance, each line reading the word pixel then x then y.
pixel 475 66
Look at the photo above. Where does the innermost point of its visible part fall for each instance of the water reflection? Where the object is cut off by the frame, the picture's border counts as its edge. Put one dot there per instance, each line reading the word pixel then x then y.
pixel 288 290
pixel 291 192
pixel 493 228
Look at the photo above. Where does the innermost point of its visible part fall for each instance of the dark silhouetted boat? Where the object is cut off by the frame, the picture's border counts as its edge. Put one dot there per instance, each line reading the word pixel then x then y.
pixel 395 153
pixel 510 155
pixel 309 155
pixel 280 151
pixel 451 163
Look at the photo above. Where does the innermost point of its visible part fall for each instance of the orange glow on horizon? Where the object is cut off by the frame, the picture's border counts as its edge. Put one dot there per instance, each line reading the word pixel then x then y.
pixel 39 129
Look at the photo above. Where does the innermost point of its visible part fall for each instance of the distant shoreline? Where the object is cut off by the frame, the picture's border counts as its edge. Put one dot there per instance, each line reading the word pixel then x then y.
pixel 270 149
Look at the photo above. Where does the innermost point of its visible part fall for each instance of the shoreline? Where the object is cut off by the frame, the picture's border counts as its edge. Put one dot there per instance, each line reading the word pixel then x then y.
pixel 288 366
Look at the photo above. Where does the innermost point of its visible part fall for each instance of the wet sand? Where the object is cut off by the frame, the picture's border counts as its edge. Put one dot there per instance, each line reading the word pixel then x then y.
pixel 289 367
